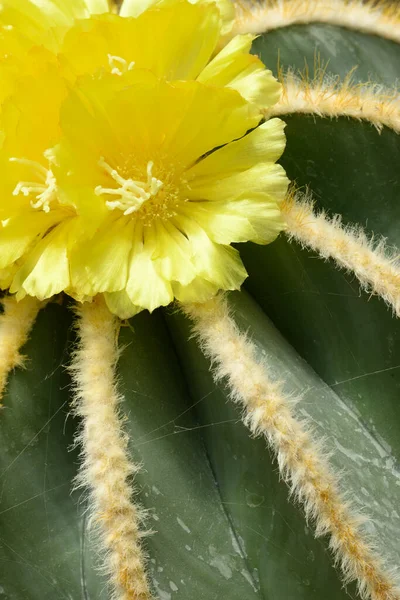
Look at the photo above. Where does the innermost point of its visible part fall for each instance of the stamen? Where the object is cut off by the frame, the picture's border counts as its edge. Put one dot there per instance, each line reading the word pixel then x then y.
pixel 119 65
pixel 133 194
pixel 45 192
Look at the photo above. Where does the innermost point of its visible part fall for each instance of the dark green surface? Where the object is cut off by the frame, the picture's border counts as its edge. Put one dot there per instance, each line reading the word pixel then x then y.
pixel 39 531
pixel 224 528
pixel 376 58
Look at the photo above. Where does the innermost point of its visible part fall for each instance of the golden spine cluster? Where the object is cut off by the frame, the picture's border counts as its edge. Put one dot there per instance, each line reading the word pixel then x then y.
pixel 267 411
pixel 106 469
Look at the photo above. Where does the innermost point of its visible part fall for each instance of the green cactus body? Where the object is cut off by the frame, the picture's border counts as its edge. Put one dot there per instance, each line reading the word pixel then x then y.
pixel 222 525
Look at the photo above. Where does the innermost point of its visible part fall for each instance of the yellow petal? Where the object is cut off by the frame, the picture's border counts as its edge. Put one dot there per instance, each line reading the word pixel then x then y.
pixel 199 290
pixel 256 218
pixel 20 232
pixel 7 275
pixel 220 265
pixel 120 304
pixel 44 21
pixel 264 177
pixel 236 68
pixel 264 144
pixel 101 263
pixel 97 6
pixel 146 287
pixel 172 254
pixel 116 44
pixel 133 8
pixel 210 118
pixel 45 271
pixel 30 116
pixel 138 115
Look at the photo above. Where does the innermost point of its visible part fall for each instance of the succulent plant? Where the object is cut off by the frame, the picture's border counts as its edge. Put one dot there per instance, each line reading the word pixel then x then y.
pixel 305 359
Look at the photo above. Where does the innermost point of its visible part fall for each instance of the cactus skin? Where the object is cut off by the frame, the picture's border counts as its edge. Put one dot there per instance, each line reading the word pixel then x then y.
pixel 240 539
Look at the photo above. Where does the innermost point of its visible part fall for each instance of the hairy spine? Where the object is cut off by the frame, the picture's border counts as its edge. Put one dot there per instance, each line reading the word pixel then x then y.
pixel 327 96
pixel 16 323
pixel 377 268
pixel 377 17
pixel 302 462
pixel 106 469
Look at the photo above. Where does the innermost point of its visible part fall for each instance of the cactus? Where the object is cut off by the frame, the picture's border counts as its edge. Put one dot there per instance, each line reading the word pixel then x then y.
pixel 153 457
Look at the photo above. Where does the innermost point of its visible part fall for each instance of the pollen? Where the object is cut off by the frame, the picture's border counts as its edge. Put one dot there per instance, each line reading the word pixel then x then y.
pixel 43 188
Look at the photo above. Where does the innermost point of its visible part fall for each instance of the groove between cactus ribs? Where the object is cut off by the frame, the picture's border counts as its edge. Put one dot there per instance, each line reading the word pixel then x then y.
pixel 16 323
pixel 267 411
pixel 328 96
pixel 381 18
pixel 106 470
pixel 376 267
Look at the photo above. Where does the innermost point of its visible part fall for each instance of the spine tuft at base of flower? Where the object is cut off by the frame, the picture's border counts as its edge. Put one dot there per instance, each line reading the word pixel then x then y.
pixel 106 469
pixel 376 267
pixel 267 411
pixel 16 323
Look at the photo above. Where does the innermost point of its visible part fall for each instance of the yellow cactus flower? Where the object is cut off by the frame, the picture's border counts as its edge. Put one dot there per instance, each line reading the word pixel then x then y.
pixel 116 44
pixel 156 207
pixel 139 188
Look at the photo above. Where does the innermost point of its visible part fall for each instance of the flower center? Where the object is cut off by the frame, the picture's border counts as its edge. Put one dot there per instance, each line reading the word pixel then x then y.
pixel 131 194
pixel 44 189
pixel 119 65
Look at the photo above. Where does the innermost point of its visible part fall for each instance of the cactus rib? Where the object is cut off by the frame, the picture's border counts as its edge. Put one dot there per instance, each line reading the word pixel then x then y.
pixel 301 460
pixel 106 469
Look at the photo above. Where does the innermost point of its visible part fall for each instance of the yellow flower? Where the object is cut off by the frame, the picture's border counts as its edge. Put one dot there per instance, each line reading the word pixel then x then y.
pixel 135 201
pixel 137 159
pixel 186 48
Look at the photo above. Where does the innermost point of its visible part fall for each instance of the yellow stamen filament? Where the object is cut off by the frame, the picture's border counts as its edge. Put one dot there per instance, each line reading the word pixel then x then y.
pixel 328 96
pixel 132 193
pixel 377 17
pixel 16 322
pixel 377 269
pixel 302 463
pixel 106 468
pixel 45 191
pixel 119 65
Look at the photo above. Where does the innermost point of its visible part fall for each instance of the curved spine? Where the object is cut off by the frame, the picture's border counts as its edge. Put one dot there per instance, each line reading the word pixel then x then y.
pixel 328 96
pixel 376 267
pixel 376 17
pixel 106 468
pixel 267 411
